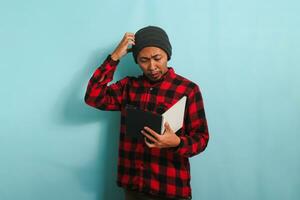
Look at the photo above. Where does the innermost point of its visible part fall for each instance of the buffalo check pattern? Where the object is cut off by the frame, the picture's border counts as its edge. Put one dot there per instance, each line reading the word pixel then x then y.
pixel 162 172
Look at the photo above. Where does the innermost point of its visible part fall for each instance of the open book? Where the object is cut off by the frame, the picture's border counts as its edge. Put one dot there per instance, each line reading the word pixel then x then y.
pixel 137 119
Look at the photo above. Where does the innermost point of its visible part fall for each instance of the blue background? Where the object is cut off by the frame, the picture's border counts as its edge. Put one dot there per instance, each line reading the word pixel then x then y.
pixel 243 54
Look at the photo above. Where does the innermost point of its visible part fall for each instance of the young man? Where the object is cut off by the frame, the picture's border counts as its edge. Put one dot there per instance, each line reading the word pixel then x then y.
pixel 156 168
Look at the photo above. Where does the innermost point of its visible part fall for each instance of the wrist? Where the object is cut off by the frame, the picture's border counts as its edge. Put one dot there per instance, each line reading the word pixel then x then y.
pixel 114 57
pixel 178 145
pixel 178 142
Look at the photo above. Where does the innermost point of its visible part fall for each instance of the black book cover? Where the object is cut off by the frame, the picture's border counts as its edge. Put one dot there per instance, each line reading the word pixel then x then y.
pixel 137 119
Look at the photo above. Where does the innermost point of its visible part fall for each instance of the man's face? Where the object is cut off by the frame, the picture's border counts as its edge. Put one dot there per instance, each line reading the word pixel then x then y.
pixel 153 62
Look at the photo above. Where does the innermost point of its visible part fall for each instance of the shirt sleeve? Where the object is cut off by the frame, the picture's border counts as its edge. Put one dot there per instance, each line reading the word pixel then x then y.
pixel 196 134
pixel 99 94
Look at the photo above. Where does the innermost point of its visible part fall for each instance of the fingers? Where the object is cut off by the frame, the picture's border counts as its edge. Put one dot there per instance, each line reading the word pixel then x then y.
pixel 150 141
pixel 152 132
pixel 129 35
pixel 130 42
pixel 166 140
pixel 129 38
pixel 168 128
pixel 124 46
pixel 127 41
pixel 152 136
pixel 150 145
pixel 149 136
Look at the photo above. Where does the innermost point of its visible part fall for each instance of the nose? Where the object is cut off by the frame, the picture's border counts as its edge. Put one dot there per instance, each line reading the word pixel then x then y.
pixel 151 65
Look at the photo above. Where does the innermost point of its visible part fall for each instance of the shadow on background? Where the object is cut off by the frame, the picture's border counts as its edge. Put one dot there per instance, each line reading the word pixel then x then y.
pixel 74 112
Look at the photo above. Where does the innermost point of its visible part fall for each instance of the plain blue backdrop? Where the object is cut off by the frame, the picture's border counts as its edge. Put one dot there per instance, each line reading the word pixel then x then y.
pixel 243 54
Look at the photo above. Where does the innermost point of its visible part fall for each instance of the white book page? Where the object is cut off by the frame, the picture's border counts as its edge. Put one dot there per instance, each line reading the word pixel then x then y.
pixel 174 115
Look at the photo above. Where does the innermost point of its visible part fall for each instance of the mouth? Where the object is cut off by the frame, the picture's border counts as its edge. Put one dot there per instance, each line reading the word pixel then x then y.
pixel 155 75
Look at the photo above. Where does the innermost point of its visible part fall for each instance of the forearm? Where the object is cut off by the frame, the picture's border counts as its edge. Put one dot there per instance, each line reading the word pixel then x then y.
pixel 195 131
pixel 192 145
pixel 98 94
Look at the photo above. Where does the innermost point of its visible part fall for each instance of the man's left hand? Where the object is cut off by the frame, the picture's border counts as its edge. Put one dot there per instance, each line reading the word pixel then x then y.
pixel 166 140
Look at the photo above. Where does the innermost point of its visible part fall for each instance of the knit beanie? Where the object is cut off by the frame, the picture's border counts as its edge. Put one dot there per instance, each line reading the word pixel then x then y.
pixel 151 36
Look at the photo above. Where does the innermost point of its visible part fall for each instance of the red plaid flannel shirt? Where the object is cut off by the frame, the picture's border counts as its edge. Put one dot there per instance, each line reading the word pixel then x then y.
pixel 162 172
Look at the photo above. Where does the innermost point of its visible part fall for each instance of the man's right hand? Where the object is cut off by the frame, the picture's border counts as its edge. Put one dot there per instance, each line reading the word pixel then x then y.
pixel 123 47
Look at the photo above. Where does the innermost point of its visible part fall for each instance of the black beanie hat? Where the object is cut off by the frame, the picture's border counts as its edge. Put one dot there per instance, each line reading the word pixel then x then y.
pixel 151 36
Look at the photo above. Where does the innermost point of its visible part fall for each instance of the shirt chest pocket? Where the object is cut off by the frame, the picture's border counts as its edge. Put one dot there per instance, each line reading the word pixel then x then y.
pixel 137 97
pixel 147 99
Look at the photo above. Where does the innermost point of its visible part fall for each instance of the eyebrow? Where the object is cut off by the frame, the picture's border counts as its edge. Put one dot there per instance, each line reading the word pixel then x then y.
pixel 151 56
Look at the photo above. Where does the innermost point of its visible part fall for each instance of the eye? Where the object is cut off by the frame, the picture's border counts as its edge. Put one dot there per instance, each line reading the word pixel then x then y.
pixel 143 60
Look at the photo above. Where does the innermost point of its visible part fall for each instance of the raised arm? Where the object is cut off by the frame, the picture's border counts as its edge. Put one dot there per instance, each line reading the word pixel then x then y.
pixel 98 93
